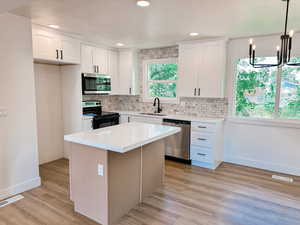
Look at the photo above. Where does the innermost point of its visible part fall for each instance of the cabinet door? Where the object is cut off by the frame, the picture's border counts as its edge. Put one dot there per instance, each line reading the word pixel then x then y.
pixel 125 73
pixel 189 60
pixel 87 124
pixel 87 59
pixel 100 59
pixel 124 119
pixel 113 71
pixel 45 47
pixel 212 70
pixel 70 50
pixel 142 119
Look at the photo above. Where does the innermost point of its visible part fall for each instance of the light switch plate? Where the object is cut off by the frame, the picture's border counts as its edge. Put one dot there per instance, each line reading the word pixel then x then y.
pixel 100 170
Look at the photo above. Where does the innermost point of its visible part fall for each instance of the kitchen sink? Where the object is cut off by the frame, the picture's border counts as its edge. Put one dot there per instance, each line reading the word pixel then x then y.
pixel 153 114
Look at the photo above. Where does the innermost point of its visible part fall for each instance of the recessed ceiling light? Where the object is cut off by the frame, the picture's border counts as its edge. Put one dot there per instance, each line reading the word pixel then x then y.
pixel 120 44
pixel 143 3
pixel 53 26
pixel 193 34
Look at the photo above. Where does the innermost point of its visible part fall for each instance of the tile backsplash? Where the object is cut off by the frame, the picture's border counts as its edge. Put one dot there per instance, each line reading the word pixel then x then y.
pixel 201 107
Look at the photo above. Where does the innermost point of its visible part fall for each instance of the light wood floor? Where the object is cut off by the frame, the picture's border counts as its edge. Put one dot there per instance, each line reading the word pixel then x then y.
pixel 191 196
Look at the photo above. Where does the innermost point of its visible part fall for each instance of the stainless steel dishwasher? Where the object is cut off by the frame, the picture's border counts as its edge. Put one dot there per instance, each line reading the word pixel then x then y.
pixel 178 146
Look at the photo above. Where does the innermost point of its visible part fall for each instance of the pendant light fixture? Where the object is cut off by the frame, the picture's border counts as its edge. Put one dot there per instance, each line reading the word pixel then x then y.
pixel 283 51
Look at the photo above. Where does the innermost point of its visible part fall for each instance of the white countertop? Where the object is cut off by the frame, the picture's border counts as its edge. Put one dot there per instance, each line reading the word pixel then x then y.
pixel 176 117
pixel 124 137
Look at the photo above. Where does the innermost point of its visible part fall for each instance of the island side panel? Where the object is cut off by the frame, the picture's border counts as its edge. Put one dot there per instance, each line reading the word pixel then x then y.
pixel 124 182
pixel 153 163
pixel 89 190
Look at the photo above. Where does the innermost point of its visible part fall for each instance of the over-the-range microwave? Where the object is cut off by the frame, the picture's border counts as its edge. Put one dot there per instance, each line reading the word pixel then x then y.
pixel 96 84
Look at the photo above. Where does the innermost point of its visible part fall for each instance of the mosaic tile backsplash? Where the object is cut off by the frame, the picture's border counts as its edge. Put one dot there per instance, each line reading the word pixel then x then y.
pixel 200 107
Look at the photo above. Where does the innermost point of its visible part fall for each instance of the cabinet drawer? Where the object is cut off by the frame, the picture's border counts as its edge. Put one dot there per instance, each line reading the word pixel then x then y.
pixel 204 127
pixel 201 154
pixel 202 139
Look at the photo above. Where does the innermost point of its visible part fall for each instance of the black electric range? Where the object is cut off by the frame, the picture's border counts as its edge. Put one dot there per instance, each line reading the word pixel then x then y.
pixel 100 118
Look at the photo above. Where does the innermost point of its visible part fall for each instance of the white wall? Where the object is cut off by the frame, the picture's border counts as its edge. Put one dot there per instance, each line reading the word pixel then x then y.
pixel 18 135
pixel 72 98
pixel 49 112
pixel 272 146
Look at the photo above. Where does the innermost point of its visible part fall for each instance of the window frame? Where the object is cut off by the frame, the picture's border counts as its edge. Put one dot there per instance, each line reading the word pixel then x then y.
pixel 146 81
pixel 276 119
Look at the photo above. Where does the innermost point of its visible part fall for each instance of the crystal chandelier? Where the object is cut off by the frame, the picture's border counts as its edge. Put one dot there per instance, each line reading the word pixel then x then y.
pixel 283 51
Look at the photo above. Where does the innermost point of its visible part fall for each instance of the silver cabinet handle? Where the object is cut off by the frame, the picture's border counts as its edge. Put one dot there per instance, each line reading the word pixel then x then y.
pixel 202 139
pixel 201 154
pixel 202 127
pixel 97 69
pixel 57 56
pixel 195 91
pixel 61 55
pixel 199 91
pixel 130 91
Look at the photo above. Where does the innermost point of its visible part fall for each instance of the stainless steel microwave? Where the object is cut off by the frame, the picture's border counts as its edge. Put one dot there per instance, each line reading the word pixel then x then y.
pixel 95 84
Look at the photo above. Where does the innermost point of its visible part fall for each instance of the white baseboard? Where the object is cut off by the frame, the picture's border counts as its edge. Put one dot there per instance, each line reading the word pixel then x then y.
pixel 263 165
pixel 19 188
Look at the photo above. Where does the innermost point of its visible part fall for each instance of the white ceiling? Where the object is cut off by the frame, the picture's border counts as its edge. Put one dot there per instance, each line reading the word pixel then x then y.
pixel 165 22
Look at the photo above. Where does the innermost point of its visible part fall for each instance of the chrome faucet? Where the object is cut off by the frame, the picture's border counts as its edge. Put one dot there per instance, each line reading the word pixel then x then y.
pixel 159 109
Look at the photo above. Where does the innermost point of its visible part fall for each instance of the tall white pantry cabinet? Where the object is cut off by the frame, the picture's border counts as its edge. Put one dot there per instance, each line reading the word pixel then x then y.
pixel 202 67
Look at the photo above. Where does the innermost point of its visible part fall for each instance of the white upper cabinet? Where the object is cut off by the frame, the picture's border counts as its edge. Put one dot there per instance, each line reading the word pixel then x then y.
pixel 55 48
pixel 87 59
pixel 94 60
pixel 202 69
pixel 113 71
pixel 128 82
pixel 70 50
pixel 100 60
pixel 45 47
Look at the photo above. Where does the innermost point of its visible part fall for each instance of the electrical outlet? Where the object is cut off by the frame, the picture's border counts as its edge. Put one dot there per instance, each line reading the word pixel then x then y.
pixel 100 170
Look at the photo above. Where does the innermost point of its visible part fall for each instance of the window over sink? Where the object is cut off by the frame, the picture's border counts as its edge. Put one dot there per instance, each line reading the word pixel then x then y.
pixel 272 93
pixel 160 79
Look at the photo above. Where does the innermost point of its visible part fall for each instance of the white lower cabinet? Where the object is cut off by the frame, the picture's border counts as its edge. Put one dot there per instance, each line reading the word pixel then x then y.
pixel 207 144
pixel 143 119
pixel 124 119
pixel 87 123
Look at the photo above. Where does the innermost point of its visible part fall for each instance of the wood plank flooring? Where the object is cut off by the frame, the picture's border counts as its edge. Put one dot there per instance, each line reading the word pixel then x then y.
pixel 231 195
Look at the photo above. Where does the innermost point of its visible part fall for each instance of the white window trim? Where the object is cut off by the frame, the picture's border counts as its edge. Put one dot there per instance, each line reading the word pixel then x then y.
pixel 276 121
pixel 146 98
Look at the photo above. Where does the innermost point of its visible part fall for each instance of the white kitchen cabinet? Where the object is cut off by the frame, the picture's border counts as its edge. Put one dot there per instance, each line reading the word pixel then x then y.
pixel 87 59
pixel 45 47
pixel 87 123
pixel 143 119
pixel 128 82
pixel 124 119
pixel 113 71
pixel 70 50
pixel 53 48
pixel 202 69
pixel 207 144
pixel 100 60
pixel 94 60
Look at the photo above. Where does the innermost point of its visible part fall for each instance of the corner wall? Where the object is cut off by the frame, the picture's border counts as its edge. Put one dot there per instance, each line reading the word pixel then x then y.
pixel 18 133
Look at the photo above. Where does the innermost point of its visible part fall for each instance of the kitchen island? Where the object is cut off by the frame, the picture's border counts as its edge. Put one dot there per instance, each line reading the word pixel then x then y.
pixel 113 169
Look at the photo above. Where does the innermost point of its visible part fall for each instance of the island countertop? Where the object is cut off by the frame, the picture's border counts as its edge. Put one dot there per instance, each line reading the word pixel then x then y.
pixel 124 137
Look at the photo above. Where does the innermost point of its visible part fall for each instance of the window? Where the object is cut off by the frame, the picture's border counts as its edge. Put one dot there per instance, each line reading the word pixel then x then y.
pixel 267 92
pixel 160 79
